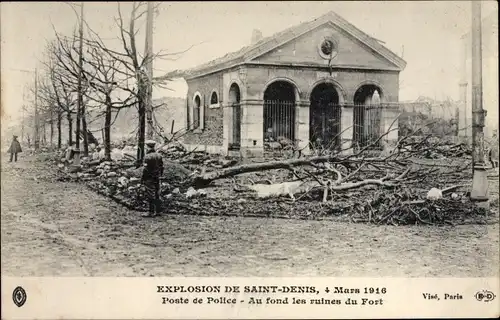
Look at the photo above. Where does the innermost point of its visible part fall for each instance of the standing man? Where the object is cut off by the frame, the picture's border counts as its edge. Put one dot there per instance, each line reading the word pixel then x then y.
pixel 14 149
pixel 151 174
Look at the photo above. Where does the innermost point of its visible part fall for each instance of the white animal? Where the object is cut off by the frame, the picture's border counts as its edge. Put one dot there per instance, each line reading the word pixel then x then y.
pixel 282 189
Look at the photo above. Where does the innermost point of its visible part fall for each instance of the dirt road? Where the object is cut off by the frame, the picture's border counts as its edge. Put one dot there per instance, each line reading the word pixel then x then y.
pixel 63 229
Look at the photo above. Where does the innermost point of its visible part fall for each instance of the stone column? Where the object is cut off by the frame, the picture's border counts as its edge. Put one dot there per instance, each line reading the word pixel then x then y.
pixel 302 126
pixel 227 126
pixel 347 120
pixel 252 134
pixel 390 113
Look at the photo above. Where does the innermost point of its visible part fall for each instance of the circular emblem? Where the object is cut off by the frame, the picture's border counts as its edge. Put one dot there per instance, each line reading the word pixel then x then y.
pixel 327 48
pixel 19 296
pixel 485 295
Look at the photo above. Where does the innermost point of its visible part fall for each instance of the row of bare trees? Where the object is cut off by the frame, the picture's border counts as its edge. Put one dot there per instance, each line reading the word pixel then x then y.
pixel 113 78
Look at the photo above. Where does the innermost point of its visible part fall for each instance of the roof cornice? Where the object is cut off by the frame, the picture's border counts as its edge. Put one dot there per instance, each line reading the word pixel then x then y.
pixel 287 35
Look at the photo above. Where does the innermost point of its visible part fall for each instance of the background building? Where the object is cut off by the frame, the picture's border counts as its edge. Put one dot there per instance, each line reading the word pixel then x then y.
pixel 320 83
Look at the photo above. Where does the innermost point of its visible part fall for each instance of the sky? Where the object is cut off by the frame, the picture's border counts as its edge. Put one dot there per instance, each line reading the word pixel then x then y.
pixel 427 32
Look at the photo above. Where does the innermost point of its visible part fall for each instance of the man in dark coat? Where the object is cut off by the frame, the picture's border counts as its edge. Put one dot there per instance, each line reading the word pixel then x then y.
pixel 151 174
pixel 15 148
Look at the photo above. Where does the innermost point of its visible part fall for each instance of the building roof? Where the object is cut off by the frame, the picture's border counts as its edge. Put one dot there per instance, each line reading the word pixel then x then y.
pixel 248 53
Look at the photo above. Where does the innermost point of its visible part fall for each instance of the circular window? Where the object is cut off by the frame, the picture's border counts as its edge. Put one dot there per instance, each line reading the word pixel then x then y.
pixel 328 49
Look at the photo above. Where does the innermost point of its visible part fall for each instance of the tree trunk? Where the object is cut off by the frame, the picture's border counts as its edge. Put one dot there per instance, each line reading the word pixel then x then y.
pixel 51 126
pixel 59 131
pixel 142 127
pixel 107 130
pixel 44 137
pixel 205 179
pixel 70 130
pixel 85 133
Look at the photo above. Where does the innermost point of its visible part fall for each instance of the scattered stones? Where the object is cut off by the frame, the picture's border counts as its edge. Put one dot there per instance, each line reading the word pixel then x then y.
pixel 123 181
pixel 134 180
pixel 191 192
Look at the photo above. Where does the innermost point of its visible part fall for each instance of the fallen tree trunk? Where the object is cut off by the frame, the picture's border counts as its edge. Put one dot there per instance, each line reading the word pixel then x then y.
pixel 203 180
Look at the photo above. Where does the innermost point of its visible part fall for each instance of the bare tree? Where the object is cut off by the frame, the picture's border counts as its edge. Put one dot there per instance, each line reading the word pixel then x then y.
pixel 48 109
pixel 102 75
pixel 59 89
pixel 65 59
pixel 131 64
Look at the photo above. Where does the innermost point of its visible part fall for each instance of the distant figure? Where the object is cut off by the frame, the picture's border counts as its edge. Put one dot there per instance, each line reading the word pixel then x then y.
pixel 151 174
pixel 493 152
pixel 14 149
pixel 493 157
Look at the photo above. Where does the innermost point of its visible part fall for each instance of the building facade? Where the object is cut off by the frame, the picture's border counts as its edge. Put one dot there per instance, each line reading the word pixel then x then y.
pixel 323 83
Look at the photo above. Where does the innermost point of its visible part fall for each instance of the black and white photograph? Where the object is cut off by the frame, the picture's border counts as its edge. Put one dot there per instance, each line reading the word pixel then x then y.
pixel 249 139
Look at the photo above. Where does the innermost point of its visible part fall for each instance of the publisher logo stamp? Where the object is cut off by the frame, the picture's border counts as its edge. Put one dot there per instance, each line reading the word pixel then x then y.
pixel 19 296
pixel 485 296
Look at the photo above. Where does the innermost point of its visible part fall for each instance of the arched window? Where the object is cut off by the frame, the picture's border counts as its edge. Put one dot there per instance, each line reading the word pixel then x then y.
pixel 213 98
pixel 367 126
pixel 196 111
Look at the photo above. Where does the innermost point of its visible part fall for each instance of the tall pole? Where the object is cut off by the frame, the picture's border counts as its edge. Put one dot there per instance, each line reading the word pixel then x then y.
pixel 463 87
pixel 36 134
pixel 22 124
pixel 22 116
pixel 148 54
pixel 80 97
pixel 479 193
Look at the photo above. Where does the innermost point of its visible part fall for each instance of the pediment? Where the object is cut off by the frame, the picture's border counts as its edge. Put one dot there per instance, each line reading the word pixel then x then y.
pixel 307 49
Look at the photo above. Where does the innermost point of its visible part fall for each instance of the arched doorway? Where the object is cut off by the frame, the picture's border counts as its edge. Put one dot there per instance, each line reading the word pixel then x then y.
pixel 234 102
pixel 279 113
pixel 367 116
pixel 196 112
pixel 324 117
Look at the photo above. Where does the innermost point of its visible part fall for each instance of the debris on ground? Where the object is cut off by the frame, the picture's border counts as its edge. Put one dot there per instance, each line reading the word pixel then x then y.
pixel 393 188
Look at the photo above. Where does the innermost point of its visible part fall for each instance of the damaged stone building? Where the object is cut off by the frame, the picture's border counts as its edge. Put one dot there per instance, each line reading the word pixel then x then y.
pixel 320 84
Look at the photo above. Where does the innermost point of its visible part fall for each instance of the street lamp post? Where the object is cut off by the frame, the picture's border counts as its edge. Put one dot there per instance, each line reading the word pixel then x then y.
pixel 80 96
pixel 37 117
pixel 479 192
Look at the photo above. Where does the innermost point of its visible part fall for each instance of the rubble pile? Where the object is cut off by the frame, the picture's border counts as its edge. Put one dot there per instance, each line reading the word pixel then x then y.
pixel 196 159
pixel 436 148
pixel 416 199
pixel 406 209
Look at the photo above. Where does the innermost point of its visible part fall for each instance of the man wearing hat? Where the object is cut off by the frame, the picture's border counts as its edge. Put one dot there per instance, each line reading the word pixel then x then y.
pixel 14 149
pixel 153 170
